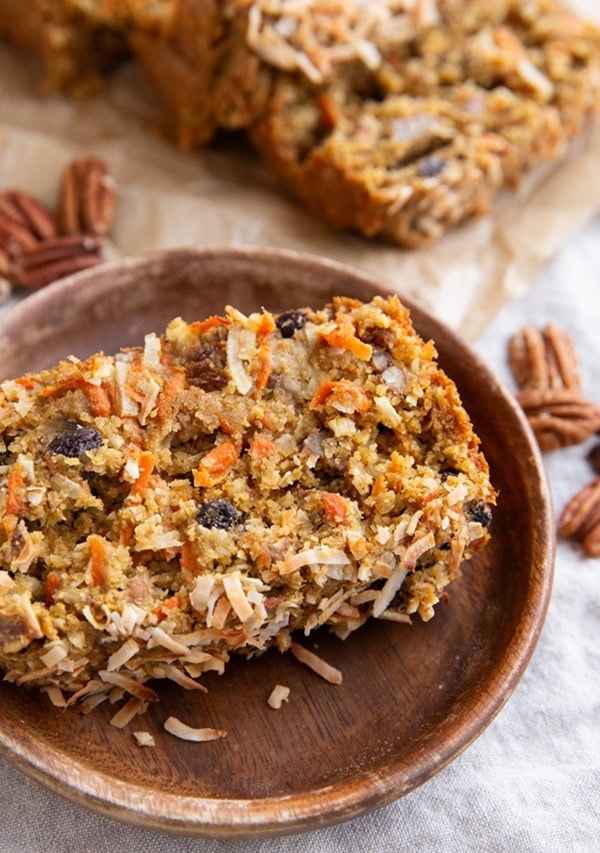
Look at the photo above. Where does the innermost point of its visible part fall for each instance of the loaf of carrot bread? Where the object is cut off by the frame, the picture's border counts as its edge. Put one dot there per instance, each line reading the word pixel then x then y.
pixel 444 124
pixel 226 484
pixel 399 118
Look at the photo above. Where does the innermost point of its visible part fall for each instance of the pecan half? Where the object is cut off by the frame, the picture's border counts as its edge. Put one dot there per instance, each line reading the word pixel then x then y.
pixel 14 237
pixel 559 417
pixel 55 258
pixel 87 198
pixel 580 519
pixel 546 359
pixel 27 212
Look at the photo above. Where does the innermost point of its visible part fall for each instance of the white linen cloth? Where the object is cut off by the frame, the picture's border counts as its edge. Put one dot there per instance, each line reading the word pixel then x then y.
pixel 531 782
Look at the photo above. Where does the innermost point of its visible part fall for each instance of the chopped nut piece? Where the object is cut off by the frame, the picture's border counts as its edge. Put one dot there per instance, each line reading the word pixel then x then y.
pixel 559 417
pixel 580 519
pixel 56 258
pixel 87 198
pixel 544 359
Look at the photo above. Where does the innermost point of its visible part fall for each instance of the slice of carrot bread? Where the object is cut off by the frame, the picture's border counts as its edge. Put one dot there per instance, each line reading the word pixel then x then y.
pixel 443 125
pixel 217 65
pixel 79 41
pixel 230 482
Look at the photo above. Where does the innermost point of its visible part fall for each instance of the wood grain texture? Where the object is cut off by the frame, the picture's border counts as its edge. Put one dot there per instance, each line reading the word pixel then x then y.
pixel 413 696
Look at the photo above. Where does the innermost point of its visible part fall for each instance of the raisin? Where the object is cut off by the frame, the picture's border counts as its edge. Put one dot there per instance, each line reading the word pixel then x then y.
pixel 206 369
pixel 479 511
pixel 431 168
pixel 291 322
pixel 74 442
pixel 218 514
pixel 206 376
pixel 448 472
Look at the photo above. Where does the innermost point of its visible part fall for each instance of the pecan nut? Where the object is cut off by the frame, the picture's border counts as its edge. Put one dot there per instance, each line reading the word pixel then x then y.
pixel 546 359
pixel 87 198
pixel 559 417
pixel 56 258
pixel 14 237
pixel 580 519
pixel 26 212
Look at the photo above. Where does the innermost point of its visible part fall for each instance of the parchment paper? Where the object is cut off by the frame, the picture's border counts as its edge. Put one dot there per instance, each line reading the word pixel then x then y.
pixel 223 196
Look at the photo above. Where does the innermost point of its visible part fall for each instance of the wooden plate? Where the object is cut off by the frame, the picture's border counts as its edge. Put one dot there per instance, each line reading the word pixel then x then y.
pixel 413 696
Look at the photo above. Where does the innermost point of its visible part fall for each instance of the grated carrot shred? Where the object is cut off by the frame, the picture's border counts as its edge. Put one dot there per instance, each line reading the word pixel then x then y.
pixel 217 463
pixel 226 426
pixel 169 604
pixel 189 562
pixel 200 327
pixel 265 361
pixel 336 508
pixel 51 587
pixel 14 503
pixel 146 463
pixel 98 559
pixel 378 486
pixel 261 448
pixel 98 398
pixel 127 533
pixel 25 382
pixel 344 337
pixel 168 394
pixel 340 389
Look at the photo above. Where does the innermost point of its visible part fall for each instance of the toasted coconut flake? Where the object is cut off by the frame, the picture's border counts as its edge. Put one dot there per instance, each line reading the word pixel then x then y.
pixel 317 664
pixel 128 683
pixel 55 695
pixel 173 674
pixel 152 349
pixel 90 688
pixel 237 597
pixel 323 556
pixel 122 655
pixel 126 714
pixel 54 656
pixel 200 594
pixel 279 695
pixel 161 638
pixel 128 406
pixel 87 614
pixel 395 616
pixel 181 730
pixel 242 380
pixel 144 738
pixel 389 590
pixel 149 401
pixel 92 701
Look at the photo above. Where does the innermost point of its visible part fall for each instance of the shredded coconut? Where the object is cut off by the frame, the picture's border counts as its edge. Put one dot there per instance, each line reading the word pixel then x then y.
pixel 181 730
pixel 278 696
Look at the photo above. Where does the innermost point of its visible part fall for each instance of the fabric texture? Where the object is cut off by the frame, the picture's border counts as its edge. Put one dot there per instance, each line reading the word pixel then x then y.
pixel 531 781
